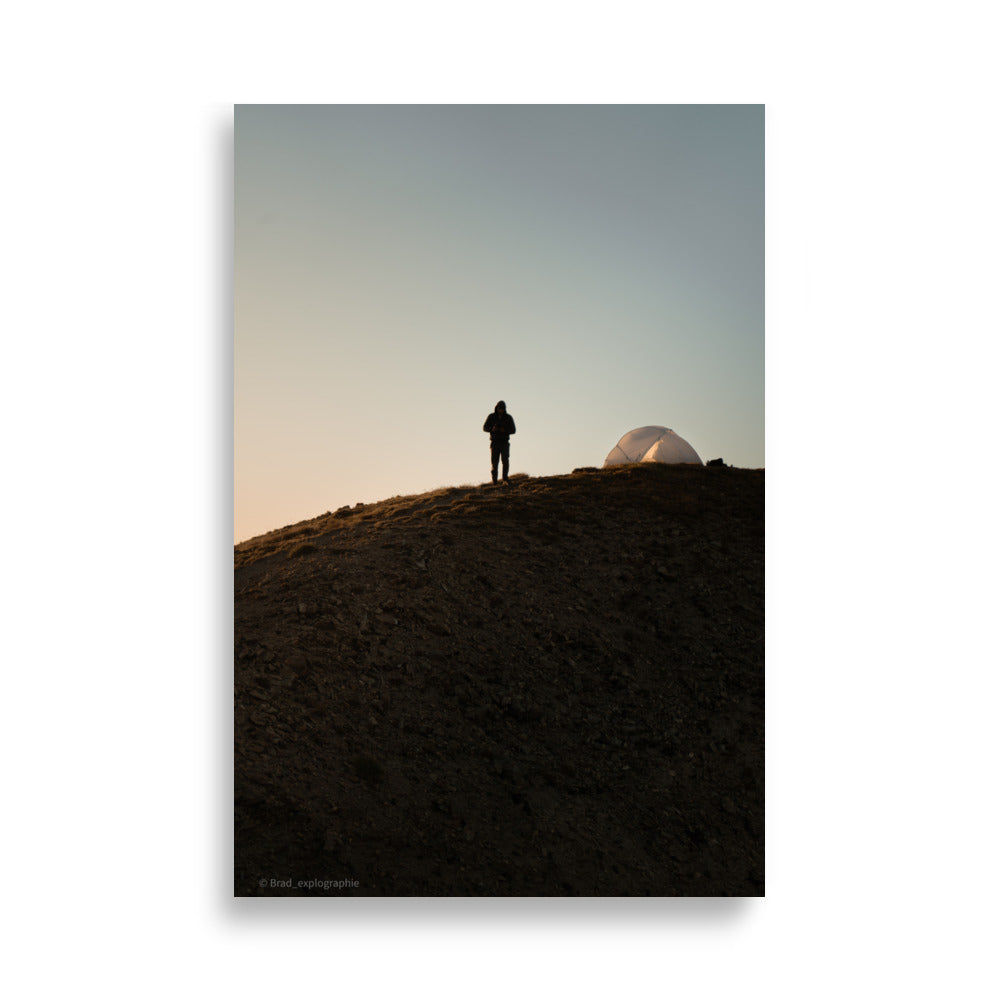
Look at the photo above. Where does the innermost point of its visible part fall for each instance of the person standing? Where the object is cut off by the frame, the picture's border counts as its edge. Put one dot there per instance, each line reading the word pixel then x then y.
pixel 500 425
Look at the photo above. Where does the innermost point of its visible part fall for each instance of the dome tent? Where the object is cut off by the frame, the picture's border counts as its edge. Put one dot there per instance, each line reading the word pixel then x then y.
pixel 652 444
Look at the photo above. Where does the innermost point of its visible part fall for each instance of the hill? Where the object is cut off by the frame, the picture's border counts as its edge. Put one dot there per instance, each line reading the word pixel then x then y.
pixel 551 688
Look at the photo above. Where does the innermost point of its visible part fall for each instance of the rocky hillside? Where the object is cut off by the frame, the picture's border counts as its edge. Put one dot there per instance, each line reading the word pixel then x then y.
pixel 550 688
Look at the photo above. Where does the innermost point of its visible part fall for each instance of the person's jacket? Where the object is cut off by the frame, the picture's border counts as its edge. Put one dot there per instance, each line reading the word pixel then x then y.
pixel 501 426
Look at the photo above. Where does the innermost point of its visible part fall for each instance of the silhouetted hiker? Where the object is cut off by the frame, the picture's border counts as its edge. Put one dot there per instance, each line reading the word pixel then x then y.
pixel 500 425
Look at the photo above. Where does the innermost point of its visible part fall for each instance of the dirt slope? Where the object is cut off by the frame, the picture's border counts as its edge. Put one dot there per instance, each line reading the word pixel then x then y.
pixel 554 688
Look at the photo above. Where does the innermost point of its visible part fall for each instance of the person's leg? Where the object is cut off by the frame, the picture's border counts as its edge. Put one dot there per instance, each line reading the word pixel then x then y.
pixel 494 458
pixel 505 454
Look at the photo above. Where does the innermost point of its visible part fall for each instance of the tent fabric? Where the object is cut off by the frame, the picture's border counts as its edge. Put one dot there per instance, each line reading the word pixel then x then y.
pixel 653 444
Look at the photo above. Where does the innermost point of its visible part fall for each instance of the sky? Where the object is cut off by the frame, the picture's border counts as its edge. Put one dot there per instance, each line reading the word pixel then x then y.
pixel 400 269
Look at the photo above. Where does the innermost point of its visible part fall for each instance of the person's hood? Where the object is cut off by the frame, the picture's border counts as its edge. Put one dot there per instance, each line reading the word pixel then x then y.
pixel 500 406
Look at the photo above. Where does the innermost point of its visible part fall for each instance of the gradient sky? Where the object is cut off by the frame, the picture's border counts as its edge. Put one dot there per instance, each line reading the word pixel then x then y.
pixel 399 269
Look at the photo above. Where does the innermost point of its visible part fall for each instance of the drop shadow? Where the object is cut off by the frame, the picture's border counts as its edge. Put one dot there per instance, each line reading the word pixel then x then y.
pixel 500 913
pixel 220 696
